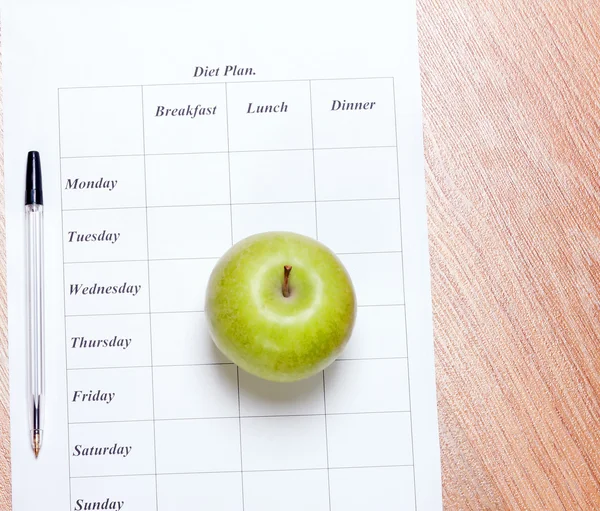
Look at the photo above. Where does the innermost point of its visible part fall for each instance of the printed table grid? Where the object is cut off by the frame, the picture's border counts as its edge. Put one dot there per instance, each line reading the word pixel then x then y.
pixel 231 204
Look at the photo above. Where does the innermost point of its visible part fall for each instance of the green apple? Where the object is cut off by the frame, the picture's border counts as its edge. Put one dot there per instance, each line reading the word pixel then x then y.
pixel 280 305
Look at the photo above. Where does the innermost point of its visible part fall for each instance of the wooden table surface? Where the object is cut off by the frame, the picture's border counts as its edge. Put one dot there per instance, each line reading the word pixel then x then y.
pixel 511 101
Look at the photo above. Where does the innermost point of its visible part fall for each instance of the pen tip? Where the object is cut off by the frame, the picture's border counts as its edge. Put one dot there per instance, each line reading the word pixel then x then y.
pixel 36 444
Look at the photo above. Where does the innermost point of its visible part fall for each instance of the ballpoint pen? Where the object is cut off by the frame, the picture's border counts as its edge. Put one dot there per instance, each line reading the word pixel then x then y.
pixel 35 296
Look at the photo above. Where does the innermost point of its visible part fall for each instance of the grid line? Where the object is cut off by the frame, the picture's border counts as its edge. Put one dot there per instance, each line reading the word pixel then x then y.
pixel 152 366
pixel 149 294
pixel 237 373
pixel 222 204
pixel 136 155
pixel 240 417
pixel 246 471
pixel 312 135
pixel 124 86
pixel 412 437
pixel 62 253
pixel 201 364
pixel 208 258
pixel 198 311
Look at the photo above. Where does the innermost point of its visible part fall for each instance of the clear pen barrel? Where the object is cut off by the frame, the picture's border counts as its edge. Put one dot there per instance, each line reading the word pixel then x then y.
pixel 35 322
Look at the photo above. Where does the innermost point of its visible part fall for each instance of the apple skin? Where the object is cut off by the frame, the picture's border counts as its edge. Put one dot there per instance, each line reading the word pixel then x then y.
pixel 269 335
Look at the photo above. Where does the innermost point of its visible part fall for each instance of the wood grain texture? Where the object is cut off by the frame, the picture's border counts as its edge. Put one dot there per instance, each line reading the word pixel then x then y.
pixel 511 111
pixel 5 493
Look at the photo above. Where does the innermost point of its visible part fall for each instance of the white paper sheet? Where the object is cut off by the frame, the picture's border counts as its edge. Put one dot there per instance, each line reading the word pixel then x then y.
pixel 167 132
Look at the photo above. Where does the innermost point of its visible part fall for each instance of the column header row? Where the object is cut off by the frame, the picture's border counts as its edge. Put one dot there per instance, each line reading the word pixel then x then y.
pixel 172 119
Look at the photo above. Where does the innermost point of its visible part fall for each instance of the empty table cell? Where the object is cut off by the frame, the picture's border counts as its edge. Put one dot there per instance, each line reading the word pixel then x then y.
pixel 195 392
pixel 103 121
pixel 187 179
pixel 369 440
pixel 281 443
pixel 377 278
pixel 383 489
pixel 252 219
pixel 356 173
pixel 259 397
pixel 300 490
pixel 203 445
pixel 379 332
pixel 272 176
pixel 273 115
pixel 188 232
pixel 360 226
pixel 357 386
pixel 179 285
pixel 183 338
pixel 214 492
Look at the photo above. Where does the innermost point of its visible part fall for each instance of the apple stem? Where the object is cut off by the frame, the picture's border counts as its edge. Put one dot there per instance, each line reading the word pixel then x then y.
pixel 285 289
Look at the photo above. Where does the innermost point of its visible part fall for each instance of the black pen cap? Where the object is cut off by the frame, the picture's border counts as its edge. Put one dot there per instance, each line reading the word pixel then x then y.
pixel 33 181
